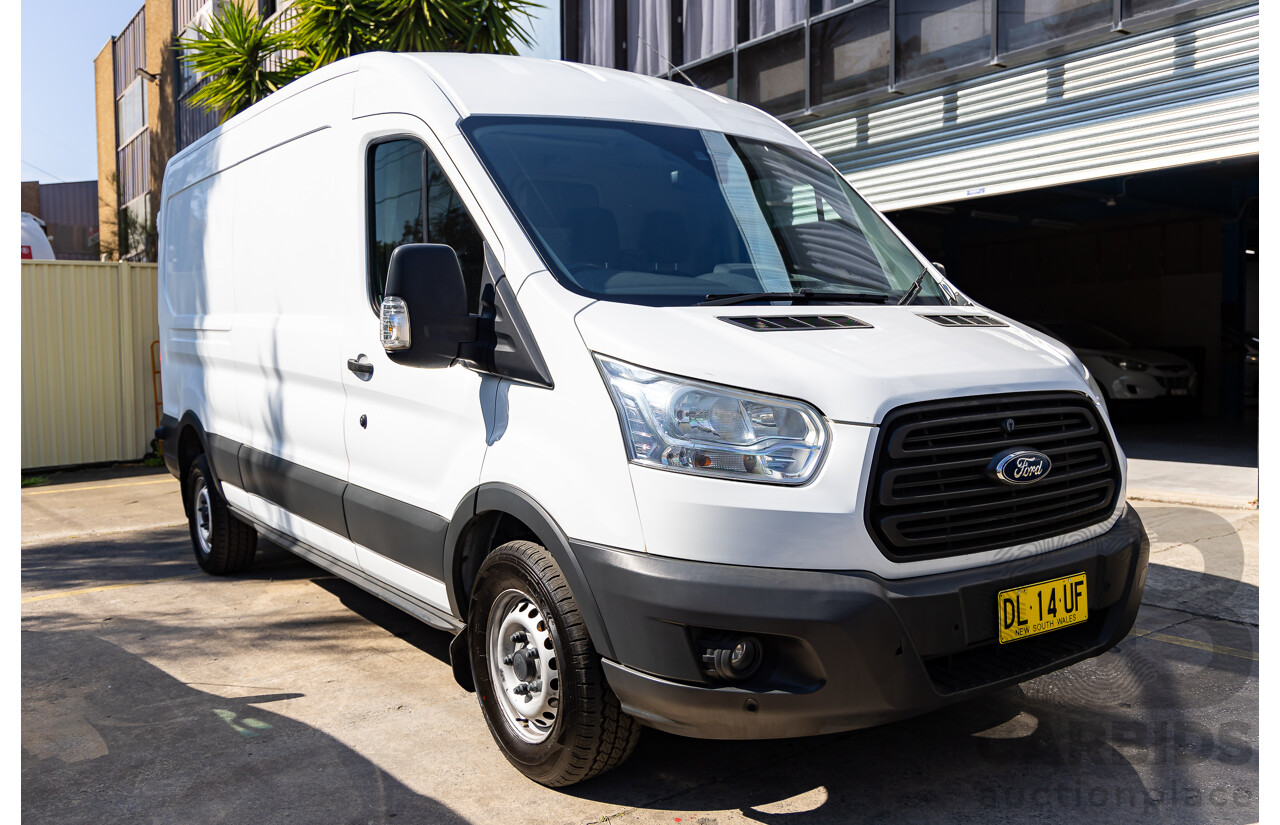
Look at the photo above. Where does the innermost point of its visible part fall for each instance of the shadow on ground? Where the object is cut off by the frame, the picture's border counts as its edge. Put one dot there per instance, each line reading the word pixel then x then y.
pixel 107 737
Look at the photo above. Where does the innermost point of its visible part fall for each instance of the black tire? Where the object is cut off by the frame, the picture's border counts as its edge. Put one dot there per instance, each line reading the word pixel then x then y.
pixel 223 544
pixel 589 733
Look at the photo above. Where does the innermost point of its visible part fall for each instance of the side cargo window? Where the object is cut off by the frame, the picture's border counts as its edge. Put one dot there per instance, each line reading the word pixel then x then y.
pixel 400 171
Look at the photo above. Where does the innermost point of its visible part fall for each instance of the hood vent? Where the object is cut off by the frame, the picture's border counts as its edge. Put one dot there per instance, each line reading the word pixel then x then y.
pixel 965 320
pixel 776 323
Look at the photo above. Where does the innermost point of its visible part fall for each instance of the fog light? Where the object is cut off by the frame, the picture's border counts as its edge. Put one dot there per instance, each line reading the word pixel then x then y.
pixel 733 664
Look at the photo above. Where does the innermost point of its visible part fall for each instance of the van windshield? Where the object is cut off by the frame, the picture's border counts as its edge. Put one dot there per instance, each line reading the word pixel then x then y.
pixel 664 215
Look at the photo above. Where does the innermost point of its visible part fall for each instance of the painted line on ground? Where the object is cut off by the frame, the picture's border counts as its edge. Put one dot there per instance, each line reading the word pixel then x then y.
pixel 1198 645
pixel 165 480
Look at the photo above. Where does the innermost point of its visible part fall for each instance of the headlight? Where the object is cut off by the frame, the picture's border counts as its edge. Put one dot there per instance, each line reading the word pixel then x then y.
pixel 677 424
pixel 1128 363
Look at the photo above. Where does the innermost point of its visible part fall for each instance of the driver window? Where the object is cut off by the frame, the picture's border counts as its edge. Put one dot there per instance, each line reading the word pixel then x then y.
pixel 400 172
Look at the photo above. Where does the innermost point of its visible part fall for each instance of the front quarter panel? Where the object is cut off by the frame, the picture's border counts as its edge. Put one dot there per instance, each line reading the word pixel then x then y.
pixel 563 446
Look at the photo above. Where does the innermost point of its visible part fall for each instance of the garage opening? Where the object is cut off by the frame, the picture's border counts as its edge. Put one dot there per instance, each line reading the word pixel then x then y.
pixel 1145 274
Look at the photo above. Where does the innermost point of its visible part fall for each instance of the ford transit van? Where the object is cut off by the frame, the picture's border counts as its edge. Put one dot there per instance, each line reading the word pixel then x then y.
pixel 621 384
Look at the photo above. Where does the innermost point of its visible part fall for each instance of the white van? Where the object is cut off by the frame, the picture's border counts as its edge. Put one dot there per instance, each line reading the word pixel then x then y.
pixel 622 384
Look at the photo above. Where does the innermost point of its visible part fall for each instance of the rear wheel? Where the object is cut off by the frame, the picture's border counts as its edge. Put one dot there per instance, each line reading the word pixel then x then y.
pixel 223 544
pixel 537 674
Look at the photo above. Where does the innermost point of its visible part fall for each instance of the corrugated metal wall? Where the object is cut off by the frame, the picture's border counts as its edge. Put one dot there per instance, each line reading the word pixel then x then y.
pixel 133 166
pixel 129 51
pixel 183 13
pixel 1183 94
pixel 70 212
pixel 87 330
pixel 192 123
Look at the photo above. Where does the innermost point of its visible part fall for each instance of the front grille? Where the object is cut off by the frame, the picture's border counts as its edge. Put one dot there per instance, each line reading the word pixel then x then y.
pixel 1174 382
pixel 932 495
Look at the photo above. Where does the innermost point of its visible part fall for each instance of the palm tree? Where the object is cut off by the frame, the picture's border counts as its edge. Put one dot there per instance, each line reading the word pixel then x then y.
pixel 233 53
pixel 495 26
pixel 236 50
pixel 329 30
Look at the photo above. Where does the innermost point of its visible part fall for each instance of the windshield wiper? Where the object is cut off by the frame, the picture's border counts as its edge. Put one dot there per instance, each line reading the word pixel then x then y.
pixel 803 296
pixel 914 289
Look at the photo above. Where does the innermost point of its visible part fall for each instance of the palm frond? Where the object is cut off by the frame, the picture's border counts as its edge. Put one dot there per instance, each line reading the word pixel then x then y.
pixel 330 30
pixel 232 53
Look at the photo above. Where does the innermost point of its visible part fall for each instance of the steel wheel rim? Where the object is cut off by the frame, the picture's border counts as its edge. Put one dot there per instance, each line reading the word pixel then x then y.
pixel 529 705
pixel 204 520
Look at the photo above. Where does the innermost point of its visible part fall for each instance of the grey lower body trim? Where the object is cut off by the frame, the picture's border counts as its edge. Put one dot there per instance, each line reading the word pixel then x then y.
pixel 224 458
pixel 414 607
pixel 312 495
pixel 403 533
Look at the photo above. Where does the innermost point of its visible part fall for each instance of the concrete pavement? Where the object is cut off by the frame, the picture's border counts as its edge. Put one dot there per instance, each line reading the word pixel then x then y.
pixel 154 693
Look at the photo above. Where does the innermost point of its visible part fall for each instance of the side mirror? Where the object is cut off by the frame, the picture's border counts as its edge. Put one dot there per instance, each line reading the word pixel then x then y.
pixel 942 270
pixel 424 317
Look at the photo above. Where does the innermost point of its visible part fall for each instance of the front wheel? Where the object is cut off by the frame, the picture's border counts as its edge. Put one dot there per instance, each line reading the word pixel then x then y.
pixel 223 544
pixel 537 674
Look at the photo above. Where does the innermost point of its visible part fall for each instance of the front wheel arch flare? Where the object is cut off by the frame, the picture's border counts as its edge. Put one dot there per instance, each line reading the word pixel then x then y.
pixel 508 501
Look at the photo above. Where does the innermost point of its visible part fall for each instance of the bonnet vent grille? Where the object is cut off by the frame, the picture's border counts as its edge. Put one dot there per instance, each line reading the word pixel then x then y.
pixel 965 320
pixel 774 323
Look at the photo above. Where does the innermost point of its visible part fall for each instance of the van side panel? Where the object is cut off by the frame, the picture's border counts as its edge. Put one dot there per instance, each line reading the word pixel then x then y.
pixel 294 246
pixel 197 307
pixel 254 251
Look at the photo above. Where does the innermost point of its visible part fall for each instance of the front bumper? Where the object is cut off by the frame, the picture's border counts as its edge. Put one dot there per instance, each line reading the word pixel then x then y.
pixel 847 650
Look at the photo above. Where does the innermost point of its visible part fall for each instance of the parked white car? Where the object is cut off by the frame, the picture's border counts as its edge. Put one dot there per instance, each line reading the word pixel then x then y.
pixel 35 243
pixel 1122 370
pixel 621 384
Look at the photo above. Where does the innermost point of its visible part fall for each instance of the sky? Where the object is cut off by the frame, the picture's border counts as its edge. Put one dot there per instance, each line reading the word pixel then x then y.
pixel 60 39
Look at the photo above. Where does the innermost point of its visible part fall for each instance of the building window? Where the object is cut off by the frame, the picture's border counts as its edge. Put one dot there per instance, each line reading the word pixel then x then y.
pixel 266 8
pixel 136 232
pixel 937 35
pixel 849 53
pixel 189 78
pixel 1024 23
pixel 771 74
pixel 595 32
pixel 131 112
pixel 768 16
pixel 708 28
pixel 714 76
pixel 648 36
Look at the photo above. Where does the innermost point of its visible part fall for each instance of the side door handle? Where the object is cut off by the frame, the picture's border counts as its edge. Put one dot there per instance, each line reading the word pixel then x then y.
pixel 363 369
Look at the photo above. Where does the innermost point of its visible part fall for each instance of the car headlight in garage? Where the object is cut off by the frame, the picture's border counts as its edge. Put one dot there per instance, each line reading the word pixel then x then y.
pixel 1128 364
pixel 688 426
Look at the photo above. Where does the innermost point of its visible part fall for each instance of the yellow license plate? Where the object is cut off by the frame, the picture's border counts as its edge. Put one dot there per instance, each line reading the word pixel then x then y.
pixel 1039 608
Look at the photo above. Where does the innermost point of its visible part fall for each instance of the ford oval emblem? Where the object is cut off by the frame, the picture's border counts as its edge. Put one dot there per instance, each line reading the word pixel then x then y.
pixel 1020 466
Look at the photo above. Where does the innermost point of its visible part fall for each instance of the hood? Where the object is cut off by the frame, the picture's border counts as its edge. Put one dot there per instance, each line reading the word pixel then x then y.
pixel 850 375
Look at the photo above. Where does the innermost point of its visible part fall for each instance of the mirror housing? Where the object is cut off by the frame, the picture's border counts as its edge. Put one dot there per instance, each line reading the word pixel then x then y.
pixel 425 320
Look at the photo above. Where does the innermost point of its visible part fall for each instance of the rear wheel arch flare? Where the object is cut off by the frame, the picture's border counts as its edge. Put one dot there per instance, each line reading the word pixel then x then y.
pixel 192 443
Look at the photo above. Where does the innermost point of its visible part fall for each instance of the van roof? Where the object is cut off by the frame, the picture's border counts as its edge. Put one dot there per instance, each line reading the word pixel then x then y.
pixel 472 84
pixel 525 86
